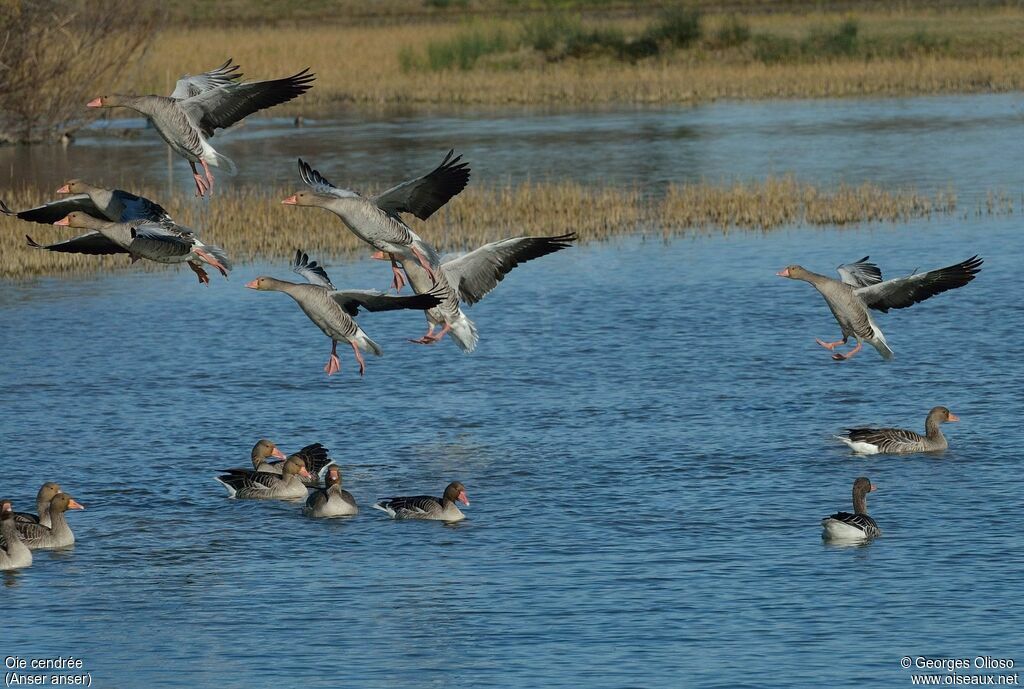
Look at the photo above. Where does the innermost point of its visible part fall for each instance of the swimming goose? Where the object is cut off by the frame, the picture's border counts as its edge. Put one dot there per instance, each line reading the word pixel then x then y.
pixel 314 456
pixel 43 498
pixel 246 484
pixel 115 205
pixel 377 220
pixel 470 277
pixel 199 105
pixel 334 311
pixel 262 451
pixel 13 553
pixel 330 501
pixel 857 526
pixel 426 506
pixel 862 289
pixel 58 534
pixel 159 242
pixel 872 441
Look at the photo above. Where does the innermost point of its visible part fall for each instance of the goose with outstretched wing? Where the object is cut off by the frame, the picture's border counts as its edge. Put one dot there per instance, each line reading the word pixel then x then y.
pixel 862 290
pixel 334 311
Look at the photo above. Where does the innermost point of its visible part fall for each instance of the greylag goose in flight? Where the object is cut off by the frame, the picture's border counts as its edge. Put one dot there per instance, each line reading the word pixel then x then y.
pixel 469 278
pixel 332 500
pixel 58 533
pixel 159 242
pixel 857 526
pixel 334 311
pixel 43 498
pixel 202 104
pixel 861 289
pixel 115 205
pixel 427 506
pixel 377 220
pixel 246 484
pixel 13 553
pixel 873 441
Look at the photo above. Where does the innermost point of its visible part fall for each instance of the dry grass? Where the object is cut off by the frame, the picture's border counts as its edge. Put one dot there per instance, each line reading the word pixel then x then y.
pixel 970 50
pixel 252 224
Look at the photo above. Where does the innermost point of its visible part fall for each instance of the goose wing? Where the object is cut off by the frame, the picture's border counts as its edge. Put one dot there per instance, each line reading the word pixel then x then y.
pixel 478 272
pixel 859 521
pixel 411 506
pixel 141 208
pixel 192 85
pixel 156 241
pixel 886 439
pixel 424 195
pixel 907 291
pixel 316 458
pixel 223 106
pixel 92 243
pixel 860 273
pixel 51 212
pixel 320 184
pixel 372 300
pixel 311 270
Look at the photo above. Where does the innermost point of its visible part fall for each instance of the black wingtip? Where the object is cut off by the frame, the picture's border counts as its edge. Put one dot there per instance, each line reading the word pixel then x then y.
pixel 33 243
pixel 5 209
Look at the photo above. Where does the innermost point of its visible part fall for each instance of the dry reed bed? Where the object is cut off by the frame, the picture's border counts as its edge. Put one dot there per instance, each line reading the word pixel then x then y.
pixel 360 64
pixel 252 224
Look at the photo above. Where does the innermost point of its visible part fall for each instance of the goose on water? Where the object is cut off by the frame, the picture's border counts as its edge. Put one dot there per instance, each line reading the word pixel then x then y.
pixel 158 242
pixel 469 278
pixel 332 500
pixel 334 311
pixel 377 220
pixel 314 456
pixel 58 534
pixel 43 498
pixel 248 484
pixel 14 554
pixel 202 104
pixel 427 506
pixel 855 526
pixel 861 290
pixel 872 441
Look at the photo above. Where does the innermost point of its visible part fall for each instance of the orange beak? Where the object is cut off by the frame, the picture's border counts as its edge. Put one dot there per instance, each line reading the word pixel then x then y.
pixel 953 417
pixel 463 499
pixel 378 256
pixel 64 222
pixel 784 273
pixel 253 285
pixel 303 473
pixel 873 488
pixel 276 453
pixel 291 201
pixel 75 505
pixel 66 189
pixel 95 103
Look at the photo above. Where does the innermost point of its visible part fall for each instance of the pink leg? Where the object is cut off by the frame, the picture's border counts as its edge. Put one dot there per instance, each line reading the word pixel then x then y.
pixel 333 364
pixel 359 358
pixel 204 279
pixel 209 177
pixel 424 262
pixel 831 345
pixel 426 339
pixel 211 259
pixel 399 281
pixel 200 183
pixel 841 357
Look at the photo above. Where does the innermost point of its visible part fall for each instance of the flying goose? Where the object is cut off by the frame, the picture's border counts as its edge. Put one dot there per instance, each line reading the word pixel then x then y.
pixel 43 498
pixel 13 553
pixel 426 506
pixel 862 289
pixel 872 441
pixel 469 278
pixel 856 526
pixel 377 220
pixel 332 500
pixel 158 242
pixel 246 484
pixel 334 311
pixel 115 205
pixel 199 105
pixel 58 533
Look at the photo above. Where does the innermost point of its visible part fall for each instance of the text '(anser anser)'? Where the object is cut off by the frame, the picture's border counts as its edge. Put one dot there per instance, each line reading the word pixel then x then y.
pixel 872 441
pixel 855 526
pixel 334 311
pixel 202 104
pixel 861 290
pixel 427 506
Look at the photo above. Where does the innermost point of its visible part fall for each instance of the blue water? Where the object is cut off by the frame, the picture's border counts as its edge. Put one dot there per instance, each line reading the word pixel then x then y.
pixel 644 433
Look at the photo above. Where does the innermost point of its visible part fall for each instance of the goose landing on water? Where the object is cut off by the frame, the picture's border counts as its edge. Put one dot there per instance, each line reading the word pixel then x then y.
pixel 873 441
pixel 858 526
pixel 862 289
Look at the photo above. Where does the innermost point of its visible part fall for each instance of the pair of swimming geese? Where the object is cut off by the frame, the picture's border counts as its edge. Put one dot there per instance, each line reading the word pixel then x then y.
pixel 858 525
pixel 291 477
pixel 23 532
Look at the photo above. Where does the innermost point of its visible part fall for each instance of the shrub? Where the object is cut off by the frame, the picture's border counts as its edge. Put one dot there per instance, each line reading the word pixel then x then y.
pixel 463 50
pixel 679 26
pixel 732 33
pixel 840 42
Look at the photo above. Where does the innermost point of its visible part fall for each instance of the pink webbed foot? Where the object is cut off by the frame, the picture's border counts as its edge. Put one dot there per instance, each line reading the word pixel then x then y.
pixel 431 338
pixel 830 345
pixel 399 280
pixel 425 263
pixel 842 357
pixel 359 358
pixel 333 365
pixel 212 260
pixel 204 278
pixel 209 177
